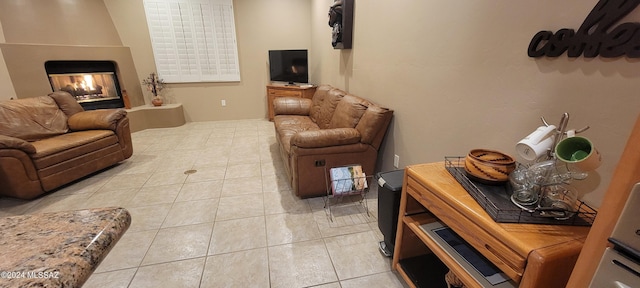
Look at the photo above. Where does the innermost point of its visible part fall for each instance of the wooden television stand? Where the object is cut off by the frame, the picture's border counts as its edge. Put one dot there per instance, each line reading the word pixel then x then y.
pixel 274 91
pixel 531 255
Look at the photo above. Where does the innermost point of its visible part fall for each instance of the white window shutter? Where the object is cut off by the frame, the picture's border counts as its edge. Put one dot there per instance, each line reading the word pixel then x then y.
pixel 193 40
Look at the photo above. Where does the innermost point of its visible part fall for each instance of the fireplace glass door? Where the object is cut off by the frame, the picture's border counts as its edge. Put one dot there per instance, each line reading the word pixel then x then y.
pixel 94 84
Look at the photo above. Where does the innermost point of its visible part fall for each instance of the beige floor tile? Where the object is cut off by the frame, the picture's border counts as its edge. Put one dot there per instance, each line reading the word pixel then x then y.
pixel 329 231
pixel 15 207
pixel 290 228
pixel 179 243
pixel 272 167
pixel 160 178
pixel 220 142
pixel 300 264
pixel 113 279
pixel 242 186
pixel 385 279
pixel 125 181
pixel 316 203
pixel 275 183
pixel 173 165
pixel 356 255
pixel 200 190
pixel 237 235
pixel 128 252
pixel 207 173
pixel 165 144
pixel 242 206
pixel 148 217
pixel 193 142
pixel 237 158
pixel 116 169
pixel 184 273
pixel 331 285
pixel 222 132
pixel 110 198
pixel 246 132
pixel 376 230
pixel 55 203
pixel 146 166
pixel 176 160
pixel 268 148
pixel 212 158
pixel 248 268
pixel 284 202
pixel 344 220
pixel 243 171
pixel 155 195
pixel 345 212
pixel 240 178
pixel 84 186
pixel 191 212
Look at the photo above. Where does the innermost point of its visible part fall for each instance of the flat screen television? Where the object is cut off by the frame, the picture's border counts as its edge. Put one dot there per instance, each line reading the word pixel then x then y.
pixel 289 66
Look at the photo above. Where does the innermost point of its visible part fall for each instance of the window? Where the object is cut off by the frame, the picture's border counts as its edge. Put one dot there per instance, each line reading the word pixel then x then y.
pixel 193 40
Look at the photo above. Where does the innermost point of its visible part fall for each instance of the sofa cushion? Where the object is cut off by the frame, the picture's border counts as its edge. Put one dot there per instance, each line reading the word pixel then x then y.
pixel 32 118
pixel 371 122
pixel 325 138
pixel 291 106
pixel 325 101
pixel 67 103
pixel 289 125
pixel 348 112
pixel 96 119
pixel 57 144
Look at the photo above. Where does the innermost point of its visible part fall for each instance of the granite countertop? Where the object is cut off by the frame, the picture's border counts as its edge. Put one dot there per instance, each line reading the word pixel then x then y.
pixel 59 249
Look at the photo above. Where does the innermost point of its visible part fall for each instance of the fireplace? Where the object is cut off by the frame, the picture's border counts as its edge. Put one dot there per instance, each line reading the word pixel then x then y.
pixel 94 84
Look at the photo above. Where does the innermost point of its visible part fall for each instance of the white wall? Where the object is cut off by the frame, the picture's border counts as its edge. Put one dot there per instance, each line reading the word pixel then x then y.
pixel 6 87
pixel 458 76
pixel 260 26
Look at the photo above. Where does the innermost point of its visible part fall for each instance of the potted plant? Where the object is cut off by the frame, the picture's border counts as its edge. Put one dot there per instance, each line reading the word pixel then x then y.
pixel 155 85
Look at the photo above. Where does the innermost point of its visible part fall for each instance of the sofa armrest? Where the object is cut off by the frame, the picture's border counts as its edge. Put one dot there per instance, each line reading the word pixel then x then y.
pixel 325 137
pixel 291 106
pixel 96 119
pixel 8 142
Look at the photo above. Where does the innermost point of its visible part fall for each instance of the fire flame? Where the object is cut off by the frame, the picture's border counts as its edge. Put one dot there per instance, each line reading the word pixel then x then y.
pixel 86 84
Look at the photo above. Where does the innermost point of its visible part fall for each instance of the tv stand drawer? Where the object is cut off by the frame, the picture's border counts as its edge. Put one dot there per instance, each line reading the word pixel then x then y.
pixel 285 93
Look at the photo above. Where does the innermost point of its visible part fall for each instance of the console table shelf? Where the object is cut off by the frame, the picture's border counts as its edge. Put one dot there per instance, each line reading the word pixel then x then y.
pixel 531 255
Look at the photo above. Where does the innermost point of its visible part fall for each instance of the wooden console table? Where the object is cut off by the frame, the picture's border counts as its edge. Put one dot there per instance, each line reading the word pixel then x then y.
pixel 274 91
pixel 532 255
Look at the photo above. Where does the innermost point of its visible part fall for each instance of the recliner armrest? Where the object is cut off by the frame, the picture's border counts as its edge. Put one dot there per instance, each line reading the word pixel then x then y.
pixel 325 137
pixel 291 106
pixel 96 119
pixel 8 142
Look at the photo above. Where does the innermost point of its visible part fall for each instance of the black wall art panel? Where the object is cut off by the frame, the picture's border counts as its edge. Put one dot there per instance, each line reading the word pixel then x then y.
pixel 341 23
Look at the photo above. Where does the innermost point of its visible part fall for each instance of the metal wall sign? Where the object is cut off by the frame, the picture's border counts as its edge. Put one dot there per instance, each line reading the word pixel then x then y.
pixel 596 36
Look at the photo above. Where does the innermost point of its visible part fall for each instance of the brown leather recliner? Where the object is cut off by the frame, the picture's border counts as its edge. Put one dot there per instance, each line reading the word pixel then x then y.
pixel 49 141
pixel 332 129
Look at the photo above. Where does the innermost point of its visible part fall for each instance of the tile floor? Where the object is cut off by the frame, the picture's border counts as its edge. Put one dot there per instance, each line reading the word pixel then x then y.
pixel 233 223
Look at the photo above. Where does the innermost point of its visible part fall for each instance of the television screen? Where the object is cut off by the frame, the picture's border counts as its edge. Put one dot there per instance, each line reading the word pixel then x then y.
pixel 288 66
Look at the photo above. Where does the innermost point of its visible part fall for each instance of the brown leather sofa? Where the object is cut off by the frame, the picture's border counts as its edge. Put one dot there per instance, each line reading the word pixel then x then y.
pixel 332 129
pixel 49 141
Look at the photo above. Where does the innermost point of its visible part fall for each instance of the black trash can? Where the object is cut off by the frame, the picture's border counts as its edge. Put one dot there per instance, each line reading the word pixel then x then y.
pixel 390 186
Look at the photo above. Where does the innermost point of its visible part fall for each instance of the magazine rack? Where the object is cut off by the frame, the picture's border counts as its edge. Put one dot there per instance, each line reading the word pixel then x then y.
pixel 344 182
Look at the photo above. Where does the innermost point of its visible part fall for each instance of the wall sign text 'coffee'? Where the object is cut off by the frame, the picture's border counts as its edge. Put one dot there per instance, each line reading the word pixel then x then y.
pixel 593 37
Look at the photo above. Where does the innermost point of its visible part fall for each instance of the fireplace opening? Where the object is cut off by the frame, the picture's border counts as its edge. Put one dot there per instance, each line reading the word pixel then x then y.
pixel 94 84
